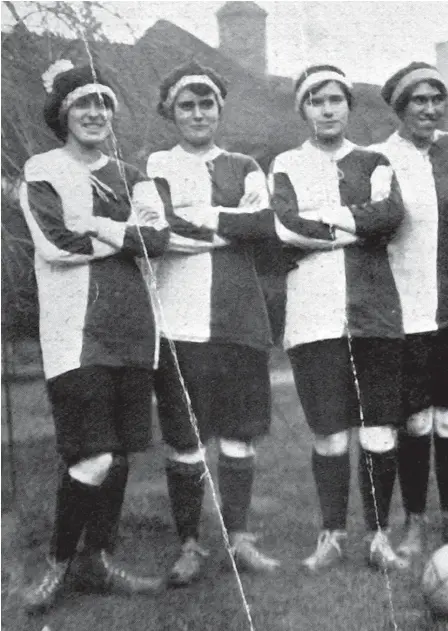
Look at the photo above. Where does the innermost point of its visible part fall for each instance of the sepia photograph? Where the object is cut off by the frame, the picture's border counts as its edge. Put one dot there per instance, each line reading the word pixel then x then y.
pixel 224 316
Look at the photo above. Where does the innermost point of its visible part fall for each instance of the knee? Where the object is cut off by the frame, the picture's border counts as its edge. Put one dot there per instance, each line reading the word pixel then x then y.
pixel 420 423
pixel 192 456
pixel 93 470
pixel 332 445
pixel 441 422
pixel 236 448
pixel 378 439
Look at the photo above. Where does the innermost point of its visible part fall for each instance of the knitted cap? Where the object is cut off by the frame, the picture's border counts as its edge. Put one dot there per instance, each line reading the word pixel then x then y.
pixel 69 86
pixel 396 91
pixel 315 75
pixel 182 77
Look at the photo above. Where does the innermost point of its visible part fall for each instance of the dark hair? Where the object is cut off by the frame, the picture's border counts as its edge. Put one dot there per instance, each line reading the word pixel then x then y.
pixel 192 68
pixel 321 68
pixel 65 83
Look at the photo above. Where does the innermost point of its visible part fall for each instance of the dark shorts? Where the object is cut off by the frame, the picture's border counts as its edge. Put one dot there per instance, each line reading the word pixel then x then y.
pixel 425 371
pixel 326 384
pixel 101 409
pixel 229 390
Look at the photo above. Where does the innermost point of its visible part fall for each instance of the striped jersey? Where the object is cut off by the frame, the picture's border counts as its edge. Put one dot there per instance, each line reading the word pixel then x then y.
pixel 93 302
pixel 207 285
pixel 419 251
pixel 343 284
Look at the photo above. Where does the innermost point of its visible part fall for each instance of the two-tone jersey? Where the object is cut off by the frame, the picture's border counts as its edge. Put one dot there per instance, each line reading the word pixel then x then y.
pixel 207 285
pixel 343 284
pixel 93 302
pixel 419 251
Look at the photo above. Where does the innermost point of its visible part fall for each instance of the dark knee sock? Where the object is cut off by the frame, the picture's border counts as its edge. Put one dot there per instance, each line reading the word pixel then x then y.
pixel 235 477
pixel 332 477
pixel 73 502
pixel 414 454
pixel 186 492
pixel 102 525
pixel 376 479
pixel 441 467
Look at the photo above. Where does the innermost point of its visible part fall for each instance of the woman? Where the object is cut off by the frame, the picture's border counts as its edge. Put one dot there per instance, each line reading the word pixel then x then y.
pixel 418 153
pixel 340 204
pixel 96 325
pixel 213 376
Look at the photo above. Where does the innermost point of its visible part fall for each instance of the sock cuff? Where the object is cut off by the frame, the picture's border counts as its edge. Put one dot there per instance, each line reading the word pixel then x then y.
pixel 317 457
pixel 390 454
pixel 183 468
pixel 236 464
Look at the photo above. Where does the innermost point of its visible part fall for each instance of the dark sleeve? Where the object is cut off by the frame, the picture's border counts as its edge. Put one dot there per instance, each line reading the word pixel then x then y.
pixel 383 211
pixel 285 205
pixel 380 218
pixel 46 209
pixel 145 241
pixel 178 225
pixel 249 226
pixel 254 226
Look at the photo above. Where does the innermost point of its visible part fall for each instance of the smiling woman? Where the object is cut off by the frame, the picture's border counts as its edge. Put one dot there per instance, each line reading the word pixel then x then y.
pixel 89 120
pixel 418 152
pixel 97 329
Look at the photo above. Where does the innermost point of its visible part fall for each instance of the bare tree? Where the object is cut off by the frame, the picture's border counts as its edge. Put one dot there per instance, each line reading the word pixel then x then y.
pixel 43 32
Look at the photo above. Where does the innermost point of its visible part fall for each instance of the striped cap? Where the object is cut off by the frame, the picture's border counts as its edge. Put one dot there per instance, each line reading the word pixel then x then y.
pixel 400 83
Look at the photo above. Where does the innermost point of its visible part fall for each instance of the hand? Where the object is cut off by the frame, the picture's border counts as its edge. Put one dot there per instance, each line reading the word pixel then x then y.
pixel 146 214
pixel 84 226
pixel 251 200
pixel 200 216
pixel 342 239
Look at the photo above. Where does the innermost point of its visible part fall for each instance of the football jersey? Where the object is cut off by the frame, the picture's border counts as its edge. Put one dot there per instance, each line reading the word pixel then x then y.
pixel 94 305
pixel 207 286
pixel 419 252
pixel 343 284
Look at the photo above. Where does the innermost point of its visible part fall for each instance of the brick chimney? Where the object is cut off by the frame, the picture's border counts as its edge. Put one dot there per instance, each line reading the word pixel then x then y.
pixel 442 59
pixel 242 34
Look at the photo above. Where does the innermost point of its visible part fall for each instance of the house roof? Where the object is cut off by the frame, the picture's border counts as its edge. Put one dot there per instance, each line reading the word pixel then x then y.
pixel 258 118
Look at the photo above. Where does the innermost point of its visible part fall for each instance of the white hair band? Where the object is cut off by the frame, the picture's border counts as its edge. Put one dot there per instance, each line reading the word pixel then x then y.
pixel 86 90
pixel 415 76
pixel 315 78
pixel 187 80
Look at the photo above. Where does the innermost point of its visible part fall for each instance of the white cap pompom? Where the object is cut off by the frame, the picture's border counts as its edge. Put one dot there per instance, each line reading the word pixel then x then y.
pixel 62 65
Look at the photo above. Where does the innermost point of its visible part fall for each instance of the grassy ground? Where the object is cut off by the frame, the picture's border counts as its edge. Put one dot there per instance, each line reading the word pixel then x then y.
pixel 348 598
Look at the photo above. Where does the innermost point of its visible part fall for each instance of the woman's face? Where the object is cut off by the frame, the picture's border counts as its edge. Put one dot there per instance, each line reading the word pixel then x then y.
pixel 424 111
pixel 326 112
pixel 196 117
pixel 89 120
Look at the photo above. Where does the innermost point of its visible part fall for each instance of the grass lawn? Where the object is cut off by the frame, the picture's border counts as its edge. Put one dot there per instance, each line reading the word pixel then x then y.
pixel 284 511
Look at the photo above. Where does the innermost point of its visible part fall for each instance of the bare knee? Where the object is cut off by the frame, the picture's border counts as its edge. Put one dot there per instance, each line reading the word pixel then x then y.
pixel 378 439
pixel 236 448
pixel 191 456
pixel 441 422
pixel 420 423
pixel 332 445
pixel 92 470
